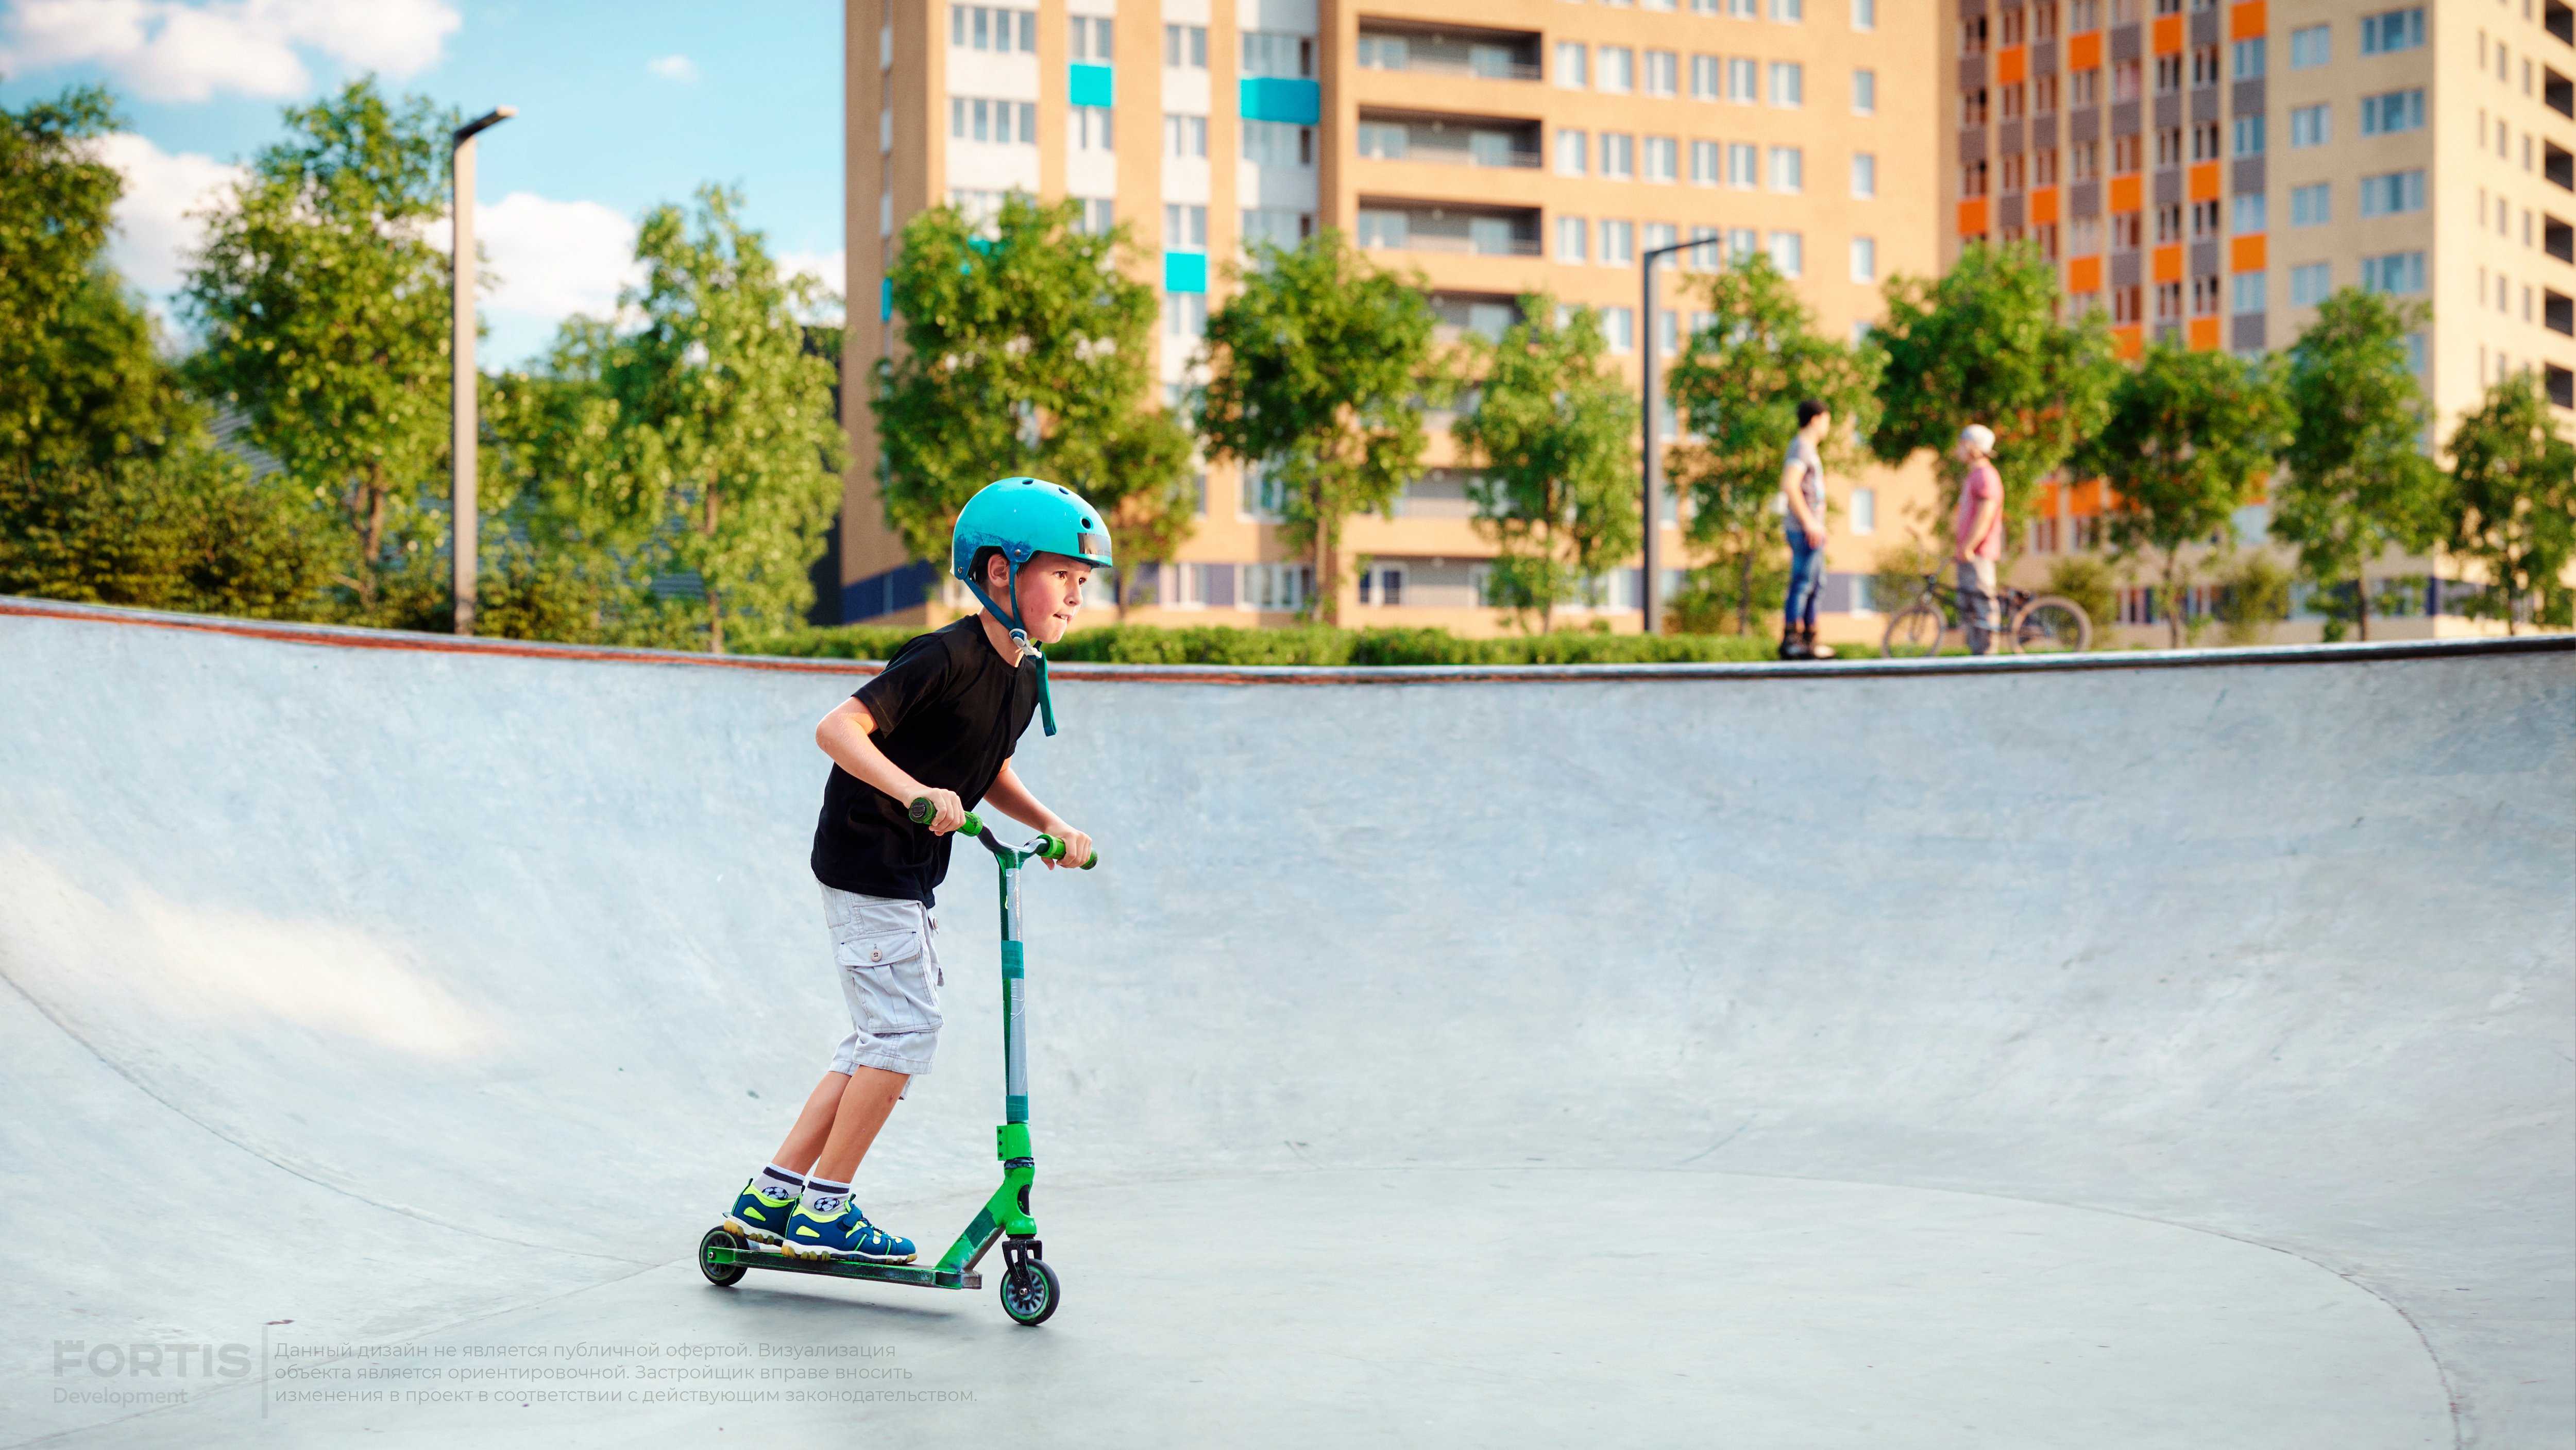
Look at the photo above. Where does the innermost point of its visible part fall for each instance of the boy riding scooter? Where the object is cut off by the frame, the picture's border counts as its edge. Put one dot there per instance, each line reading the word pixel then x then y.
pixel 939 723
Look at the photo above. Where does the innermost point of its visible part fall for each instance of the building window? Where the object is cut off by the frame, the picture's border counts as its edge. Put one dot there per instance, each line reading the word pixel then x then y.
pixel 1864 259
pixel 1705 85
pixel 1091 39
pixel 1618 156
pixel 2249 135
pixel 1864 14
pixel 1743 165
pixel 1864 511
pixel 2392 30
pixel 1185 47
pixel 2204 66
pixel 1099 214
pixel 1789 12
pixel 1788 83
pixel 1274 143
pixel 1788 168
pixel 2392 111
pixel 2397 272
pixel 1001 123
pixel 2249 214
pixel 1091 129
pixel 1864 175
pixel 1278 53
pixel 1185 314
pixel 1619 326
pixel 1185 136
pixel 2312 206
pixel 1703 163
pixel 1572 147
pixel 1618 244
pixel 1280 226
pixel 2310 126
pixel 1662 158
pixel 983 27
pixel 1661 69
pixel 2249 291
pixel 1570 233
pixel 1618 69
pixel 2392 193
pixel 2310 284
pixel 2248 58
pixel 1184 228
pixel 2043 95
pixel 2311 47
pixel 2043 167
pixel 1789 253
pixel 1743 81
pixel 1571 71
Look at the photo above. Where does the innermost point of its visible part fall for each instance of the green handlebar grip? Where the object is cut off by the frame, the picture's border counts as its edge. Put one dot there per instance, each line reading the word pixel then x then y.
pixel 922 811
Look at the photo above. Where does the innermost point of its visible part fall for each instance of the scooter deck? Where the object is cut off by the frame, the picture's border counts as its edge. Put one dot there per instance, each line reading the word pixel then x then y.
pixel 756 1256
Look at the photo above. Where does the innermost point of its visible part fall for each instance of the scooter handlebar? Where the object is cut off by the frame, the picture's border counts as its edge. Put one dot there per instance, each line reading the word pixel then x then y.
pixel 1045 847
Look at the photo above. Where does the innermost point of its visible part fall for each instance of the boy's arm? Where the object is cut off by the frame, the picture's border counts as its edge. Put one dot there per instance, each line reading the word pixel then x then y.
pixel 844 736
pixel 1013 799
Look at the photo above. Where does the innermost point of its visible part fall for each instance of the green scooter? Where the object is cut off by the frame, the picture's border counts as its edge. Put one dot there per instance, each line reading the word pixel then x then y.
pixel 1029 1287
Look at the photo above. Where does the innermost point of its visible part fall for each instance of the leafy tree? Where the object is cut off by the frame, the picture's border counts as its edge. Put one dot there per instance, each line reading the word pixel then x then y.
pixel 2254 595
pixel 726 461
pixel 1028 351
pixel 2355 480
pixel 111 491
pixel 1317 367
pixel 1982 344
pixel 2087 581
pixel 2189 438
pixel 1556 434
pixel 1738 390
pixel 324 310
pixel 2512 501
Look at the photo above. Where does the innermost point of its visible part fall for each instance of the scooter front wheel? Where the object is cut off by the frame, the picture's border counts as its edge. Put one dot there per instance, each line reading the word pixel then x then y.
pixel 1030 1292
pixel 722 1275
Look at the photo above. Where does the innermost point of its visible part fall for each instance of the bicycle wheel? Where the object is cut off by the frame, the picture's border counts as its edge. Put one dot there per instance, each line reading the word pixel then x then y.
pixel 2051 624
pixel 1915 632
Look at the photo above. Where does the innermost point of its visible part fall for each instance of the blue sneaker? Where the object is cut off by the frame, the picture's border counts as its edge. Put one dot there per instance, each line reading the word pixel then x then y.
pixel 759 1217
pixel 849 1236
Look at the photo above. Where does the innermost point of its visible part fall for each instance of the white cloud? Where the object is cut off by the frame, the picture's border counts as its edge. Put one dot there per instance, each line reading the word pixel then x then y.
pixel 556 258
pixel 155 233
pixel 673 68
pixel 175 50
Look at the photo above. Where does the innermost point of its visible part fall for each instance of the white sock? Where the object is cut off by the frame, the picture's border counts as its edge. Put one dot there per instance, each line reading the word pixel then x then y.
pixel 824 1198
pixel 777 1182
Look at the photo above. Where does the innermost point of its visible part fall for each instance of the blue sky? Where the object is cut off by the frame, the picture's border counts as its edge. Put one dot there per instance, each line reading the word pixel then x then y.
pixel 620 107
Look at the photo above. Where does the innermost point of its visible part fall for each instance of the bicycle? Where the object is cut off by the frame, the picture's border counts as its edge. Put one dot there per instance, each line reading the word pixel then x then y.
pixel 2034 623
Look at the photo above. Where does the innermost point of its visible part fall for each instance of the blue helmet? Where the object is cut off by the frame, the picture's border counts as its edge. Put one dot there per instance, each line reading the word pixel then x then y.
pixel 1022 518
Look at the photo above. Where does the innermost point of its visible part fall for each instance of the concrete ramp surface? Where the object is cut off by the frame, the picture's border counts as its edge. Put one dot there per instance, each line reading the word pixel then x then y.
pixel 2175 1055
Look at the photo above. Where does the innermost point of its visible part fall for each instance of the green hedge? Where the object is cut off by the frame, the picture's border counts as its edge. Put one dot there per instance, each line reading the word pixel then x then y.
pixel 1147 644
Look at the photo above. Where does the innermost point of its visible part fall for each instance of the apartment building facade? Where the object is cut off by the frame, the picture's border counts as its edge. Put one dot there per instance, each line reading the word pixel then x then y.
pixel 2209 170
pixel 1496 148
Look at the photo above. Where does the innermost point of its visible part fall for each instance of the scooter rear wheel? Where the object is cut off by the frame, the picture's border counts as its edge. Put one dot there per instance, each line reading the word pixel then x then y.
pixel 1030 1292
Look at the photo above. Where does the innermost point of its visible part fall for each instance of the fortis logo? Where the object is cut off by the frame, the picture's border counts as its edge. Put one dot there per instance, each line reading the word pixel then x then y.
pixel 177 1361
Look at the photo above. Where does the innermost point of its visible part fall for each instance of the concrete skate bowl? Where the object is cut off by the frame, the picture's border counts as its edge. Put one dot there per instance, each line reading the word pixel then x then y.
pixel 2157 1052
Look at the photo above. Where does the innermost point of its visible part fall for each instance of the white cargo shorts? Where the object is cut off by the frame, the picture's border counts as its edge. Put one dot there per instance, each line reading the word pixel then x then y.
pixel 888 963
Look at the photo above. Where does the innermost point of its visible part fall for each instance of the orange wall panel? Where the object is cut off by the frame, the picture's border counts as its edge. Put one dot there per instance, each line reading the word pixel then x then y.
pixel 2247 254
pixel 2204 334
pixel 2129 342
pixel 2043 206
pixel 2084 274
pixel 2011 64
pixel 2084 52
pixel 2169 35
pixel 2247 21
pixel 2125 192
pixel 2168 262
pixel 2204 182
pixel 1972 217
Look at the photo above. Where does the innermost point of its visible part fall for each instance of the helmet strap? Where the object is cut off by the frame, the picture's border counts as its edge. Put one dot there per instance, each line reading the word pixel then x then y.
pixel 1019 634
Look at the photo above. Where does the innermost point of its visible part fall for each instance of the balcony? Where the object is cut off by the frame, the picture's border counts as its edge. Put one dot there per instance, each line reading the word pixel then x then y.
pixel 2558 165
pixel 1481 314
pixel 1448 140
pixel 2560 19
pixel 2558 313
pixel 1509 55
pixel 2561 384
pixel 2558 239
pixel 1478 231
pixel 2558 92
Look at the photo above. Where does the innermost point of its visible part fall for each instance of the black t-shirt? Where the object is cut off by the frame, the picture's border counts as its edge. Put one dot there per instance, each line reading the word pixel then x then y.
pixel 948 710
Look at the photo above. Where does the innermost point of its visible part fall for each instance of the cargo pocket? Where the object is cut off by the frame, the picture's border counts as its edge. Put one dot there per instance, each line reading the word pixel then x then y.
pixel 883 951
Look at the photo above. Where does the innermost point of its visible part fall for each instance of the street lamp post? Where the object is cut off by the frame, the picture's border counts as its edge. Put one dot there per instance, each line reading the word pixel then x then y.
pixel 1649 596
pixel 462 520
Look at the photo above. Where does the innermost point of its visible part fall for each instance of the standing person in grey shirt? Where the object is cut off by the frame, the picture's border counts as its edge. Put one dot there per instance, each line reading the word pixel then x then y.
pixel 1802 485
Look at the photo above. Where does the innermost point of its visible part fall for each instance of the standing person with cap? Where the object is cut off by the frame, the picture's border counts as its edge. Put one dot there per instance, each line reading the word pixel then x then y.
pixel 1978 534
pixel 1802 486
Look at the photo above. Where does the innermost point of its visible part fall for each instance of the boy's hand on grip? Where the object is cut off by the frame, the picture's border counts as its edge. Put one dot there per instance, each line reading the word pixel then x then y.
pixel 947 813
pixel 1077 850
